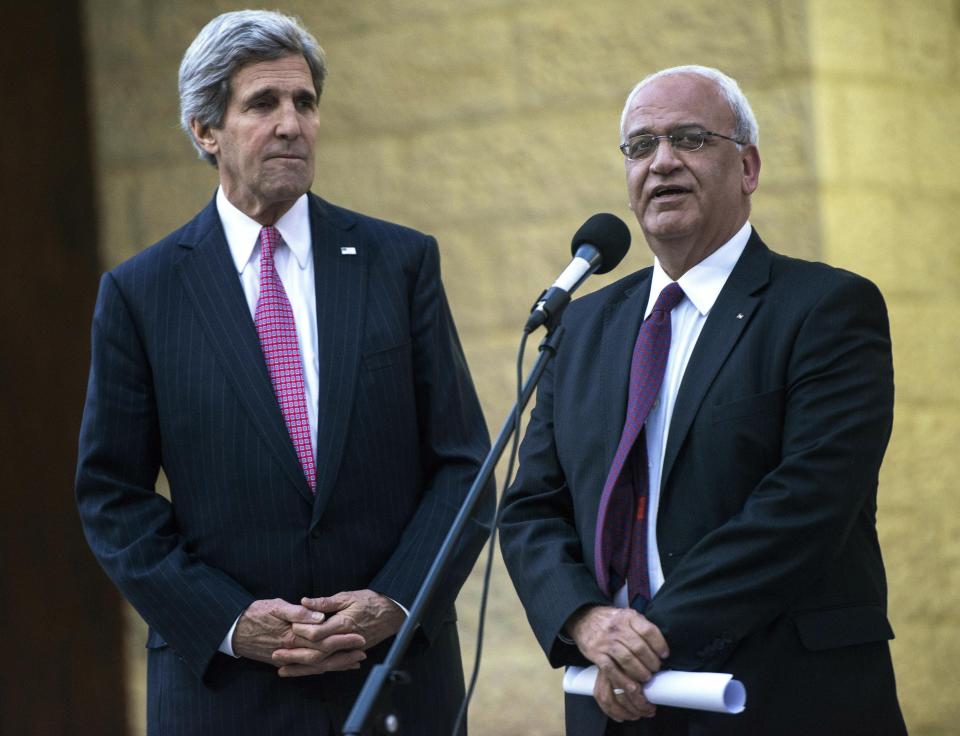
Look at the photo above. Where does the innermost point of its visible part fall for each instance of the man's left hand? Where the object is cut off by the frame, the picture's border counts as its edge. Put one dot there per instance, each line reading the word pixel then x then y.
pixel 371 615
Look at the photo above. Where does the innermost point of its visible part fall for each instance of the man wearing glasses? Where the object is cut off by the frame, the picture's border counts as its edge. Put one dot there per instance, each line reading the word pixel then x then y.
pixel 698 482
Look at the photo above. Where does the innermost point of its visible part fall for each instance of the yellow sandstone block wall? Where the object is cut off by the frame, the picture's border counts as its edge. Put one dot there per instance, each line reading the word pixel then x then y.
pixel 493 125
pixel 887 93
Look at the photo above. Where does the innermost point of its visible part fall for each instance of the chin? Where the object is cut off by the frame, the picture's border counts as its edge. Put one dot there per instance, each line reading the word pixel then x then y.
pixel 284 191
pixel 668 230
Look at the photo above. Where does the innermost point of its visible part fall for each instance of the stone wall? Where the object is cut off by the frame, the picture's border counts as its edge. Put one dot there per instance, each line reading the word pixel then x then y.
pixel 887 86
pixel 493 125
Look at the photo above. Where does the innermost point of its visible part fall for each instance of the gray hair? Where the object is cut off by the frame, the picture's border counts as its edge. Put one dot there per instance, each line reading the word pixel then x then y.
pixel 227 43
pixel 744 122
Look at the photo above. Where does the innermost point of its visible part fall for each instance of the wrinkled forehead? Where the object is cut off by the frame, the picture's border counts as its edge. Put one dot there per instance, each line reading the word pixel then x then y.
pixel 677 100
pixel 287 70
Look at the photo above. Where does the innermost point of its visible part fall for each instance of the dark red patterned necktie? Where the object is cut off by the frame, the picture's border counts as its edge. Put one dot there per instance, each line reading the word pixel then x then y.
pixel 278 338
pixel 620 547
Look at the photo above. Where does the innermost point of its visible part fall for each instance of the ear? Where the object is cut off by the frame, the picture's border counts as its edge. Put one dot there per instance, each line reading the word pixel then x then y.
pixel 203 135
pixel 751 168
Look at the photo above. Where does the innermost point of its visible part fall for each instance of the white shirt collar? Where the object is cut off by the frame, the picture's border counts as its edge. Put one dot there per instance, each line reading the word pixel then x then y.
pixel 242 231
pixel 703 282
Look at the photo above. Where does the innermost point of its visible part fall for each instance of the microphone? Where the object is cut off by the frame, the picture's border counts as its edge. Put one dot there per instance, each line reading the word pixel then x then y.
pixel 597 247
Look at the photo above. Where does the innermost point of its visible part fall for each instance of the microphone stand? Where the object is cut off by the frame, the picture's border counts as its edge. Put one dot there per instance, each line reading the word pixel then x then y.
pixel 373 711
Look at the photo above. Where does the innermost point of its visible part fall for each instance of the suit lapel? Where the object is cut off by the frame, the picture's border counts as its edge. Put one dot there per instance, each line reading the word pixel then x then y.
pixel 341 283
pixel 729 316
pixel 210 279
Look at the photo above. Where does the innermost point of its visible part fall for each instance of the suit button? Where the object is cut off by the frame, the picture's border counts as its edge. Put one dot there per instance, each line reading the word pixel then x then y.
pixel 315 534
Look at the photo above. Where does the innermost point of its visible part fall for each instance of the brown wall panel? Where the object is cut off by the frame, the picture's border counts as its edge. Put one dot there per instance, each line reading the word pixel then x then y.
pixel 60 618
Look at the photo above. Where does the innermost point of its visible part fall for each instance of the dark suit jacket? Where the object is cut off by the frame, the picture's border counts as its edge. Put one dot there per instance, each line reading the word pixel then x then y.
pixel 178 381
pixel 766 525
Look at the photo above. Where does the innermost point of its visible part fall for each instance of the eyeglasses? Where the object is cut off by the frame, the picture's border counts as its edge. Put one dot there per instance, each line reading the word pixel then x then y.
pixel 642 146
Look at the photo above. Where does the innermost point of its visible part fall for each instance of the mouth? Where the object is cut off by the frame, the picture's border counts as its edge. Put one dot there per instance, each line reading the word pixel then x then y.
pixel 665 191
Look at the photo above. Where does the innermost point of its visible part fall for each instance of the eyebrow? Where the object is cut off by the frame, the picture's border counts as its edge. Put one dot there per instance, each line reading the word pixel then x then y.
pixel 679 126
pixel 276 92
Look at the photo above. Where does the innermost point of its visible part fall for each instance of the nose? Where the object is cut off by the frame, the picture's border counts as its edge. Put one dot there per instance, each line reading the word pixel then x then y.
pixel 664 159
pixel 288 123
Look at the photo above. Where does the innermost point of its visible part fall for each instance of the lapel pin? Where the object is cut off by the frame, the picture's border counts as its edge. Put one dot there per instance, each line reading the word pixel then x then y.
pixel 740 315
pixel 348 250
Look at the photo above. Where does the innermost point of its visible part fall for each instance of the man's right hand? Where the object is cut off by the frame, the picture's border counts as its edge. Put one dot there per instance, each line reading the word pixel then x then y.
pixel 266 626
pixel 627 649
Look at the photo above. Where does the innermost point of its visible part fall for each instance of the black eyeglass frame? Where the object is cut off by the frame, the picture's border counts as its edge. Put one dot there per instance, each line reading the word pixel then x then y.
pixel 673 137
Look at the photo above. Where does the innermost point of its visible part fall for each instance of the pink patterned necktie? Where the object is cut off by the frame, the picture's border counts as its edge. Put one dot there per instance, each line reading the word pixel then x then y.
pixel 620 546
pixel 278 338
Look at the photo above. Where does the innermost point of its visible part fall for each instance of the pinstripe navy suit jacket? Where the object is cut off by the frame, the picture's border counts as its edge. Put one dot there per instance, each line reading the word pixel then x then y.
pixel 178 382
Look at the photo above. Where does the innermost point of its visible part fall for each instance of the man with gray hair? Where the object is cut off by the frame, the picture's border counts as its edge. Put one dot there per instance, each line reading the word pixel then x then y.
pixel 294 369
pixel 698 482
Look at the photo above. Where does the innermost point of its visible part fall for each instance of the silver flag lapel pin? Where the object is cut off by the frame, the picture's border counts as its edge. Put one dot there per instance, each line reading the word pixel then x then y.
pixel 348 250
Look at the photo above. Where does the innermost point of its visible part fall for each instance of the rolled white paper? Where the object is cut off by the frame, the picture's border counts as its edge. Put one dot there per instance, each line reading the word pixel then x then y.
pixel 714 691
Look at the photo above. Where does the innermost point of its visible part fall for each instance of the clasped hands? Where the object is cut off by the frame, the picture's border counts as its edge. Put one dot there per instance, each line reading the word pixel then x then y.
pixel 627 649
pixel 319 635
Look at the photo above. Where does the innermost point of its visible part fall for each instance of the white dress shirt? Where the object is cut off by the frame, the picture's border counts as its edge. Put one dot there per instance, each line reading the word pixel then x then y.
pixel 701 286
pixel 294 264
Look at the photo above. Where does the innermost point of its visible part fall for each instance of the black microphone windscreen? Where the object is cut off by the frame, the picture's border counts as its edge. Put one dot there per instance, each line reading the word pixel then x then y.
pixel 609 234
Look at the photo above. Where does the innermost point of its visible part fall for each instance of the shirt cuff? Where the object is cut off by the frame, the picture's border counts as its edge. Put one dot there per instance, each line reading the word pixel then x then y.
pixel 403 608
pixel 226 646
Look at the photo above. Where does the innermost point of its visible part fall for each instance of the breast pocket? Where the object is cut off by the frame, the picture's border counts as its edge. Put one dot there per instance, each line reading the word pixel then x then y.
pixel 379 360
pixel 768 402
pixel 386 390
pixel 747 434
